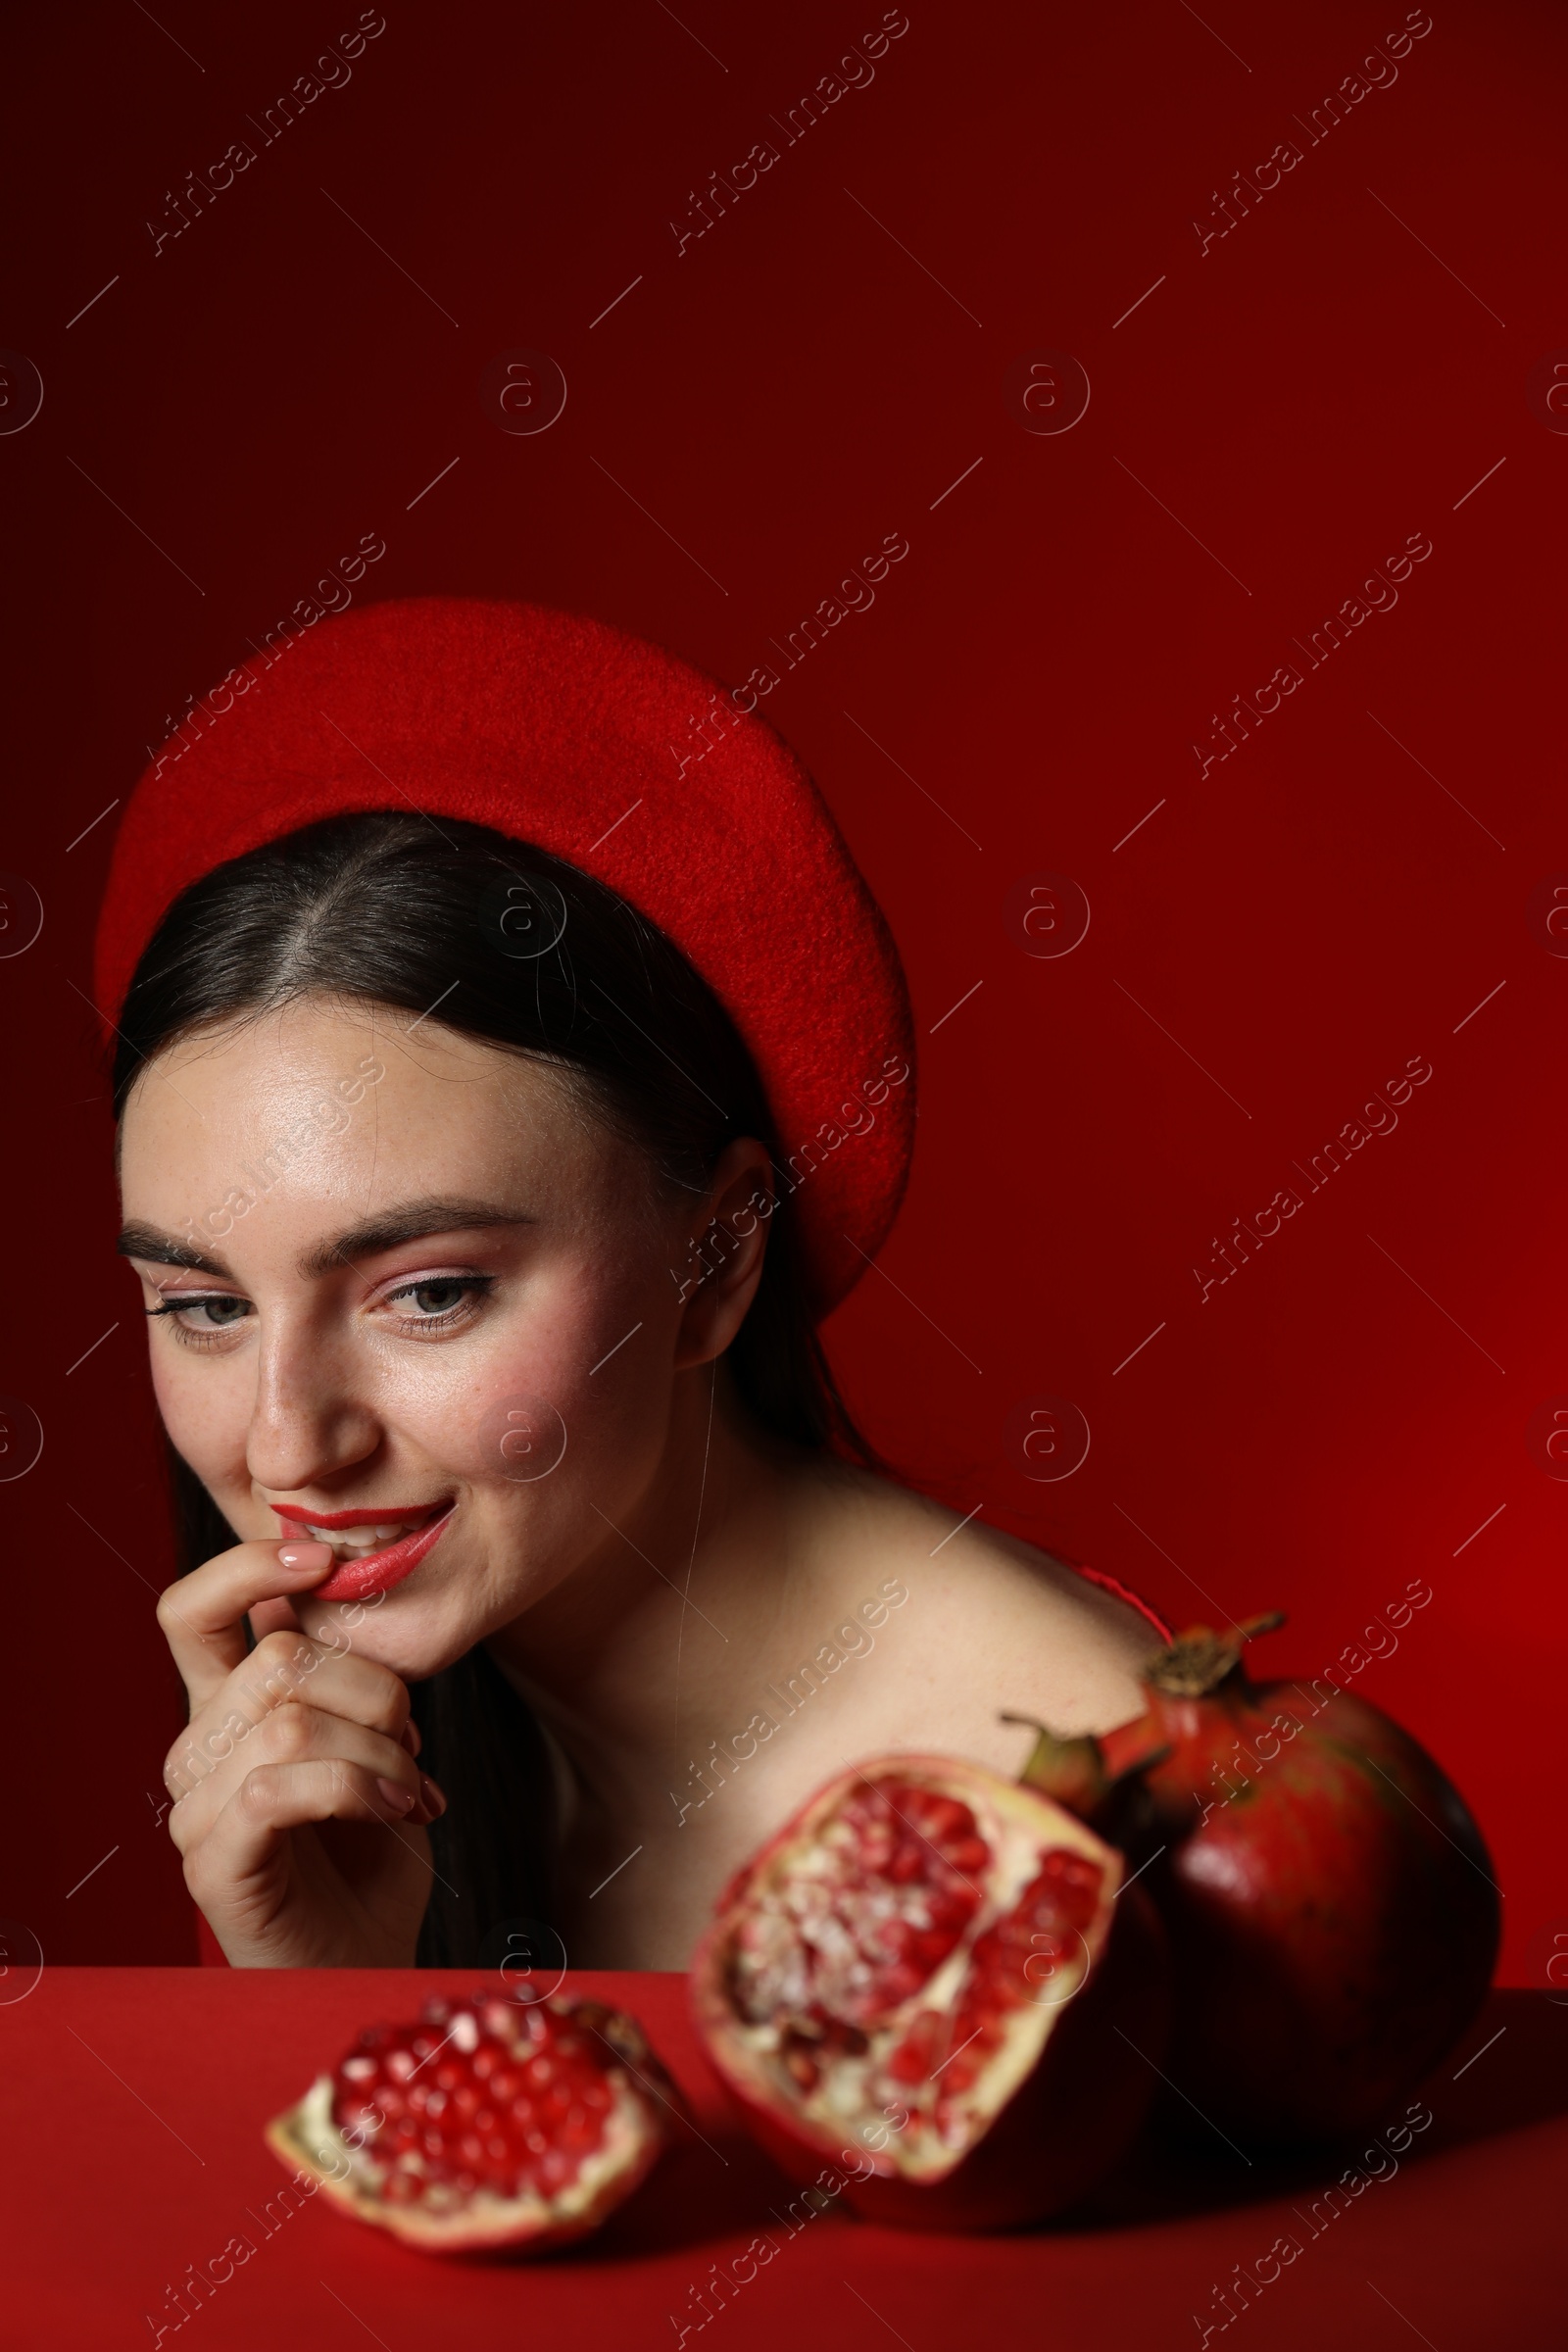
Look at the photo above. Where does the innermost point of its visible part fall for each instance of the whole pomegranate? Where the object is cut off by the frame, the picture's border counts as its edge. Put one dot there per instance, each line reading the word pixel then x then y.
pixel 493 2122
pixel 920 1979
pixel 1331 1906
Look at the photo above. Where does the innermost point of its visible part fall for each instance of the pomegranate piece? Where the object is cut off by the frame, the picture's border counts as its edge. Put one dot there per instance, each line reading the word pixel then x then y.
pixel 1330 1901
pixel 917 1979
pixel 493 2122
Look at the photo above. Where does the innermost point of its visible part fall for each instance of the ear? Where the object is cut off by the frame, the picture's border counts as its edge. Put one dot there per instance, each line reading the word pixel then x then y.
pixel 725 1241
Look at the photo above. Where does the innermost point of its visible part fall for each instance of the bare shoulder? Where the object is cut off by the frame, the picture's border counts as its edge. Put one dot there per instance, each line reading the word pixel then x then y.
pixel 990 1626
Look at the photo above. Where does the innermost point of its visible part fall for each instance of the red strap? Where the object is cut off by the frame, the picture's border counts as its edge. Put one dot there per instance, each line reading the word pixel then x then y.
pixel 1120 1592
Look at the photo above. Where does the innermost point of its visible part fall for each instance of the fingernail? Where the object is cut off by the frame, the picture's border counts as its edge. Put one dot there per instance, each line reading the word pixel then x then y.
pixel 409 1739
pixel 397 1796
pixel 305 1555
pixel 432 1795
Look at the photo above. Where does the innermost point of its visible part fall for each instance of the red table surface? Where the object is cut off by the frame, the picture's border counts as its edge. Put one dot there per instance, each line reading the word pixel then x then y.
pixel 132 2100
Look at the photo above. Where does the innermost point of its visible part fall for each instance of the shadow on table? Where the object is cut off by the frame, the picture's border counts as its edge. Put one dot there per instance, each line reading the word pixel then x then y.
pixel 1509 2071
pixel 720 2186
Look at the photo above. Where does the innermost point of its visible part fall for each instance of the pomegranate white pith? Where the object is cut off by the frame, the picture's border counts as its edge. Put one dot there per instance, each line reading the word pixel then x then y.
pixel 907 1946
pixel 492 2122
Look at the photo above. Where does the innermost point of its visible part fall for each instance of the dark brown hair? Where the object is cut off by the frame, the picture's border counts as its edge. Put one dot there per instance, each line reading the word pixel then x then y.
pixel 524 952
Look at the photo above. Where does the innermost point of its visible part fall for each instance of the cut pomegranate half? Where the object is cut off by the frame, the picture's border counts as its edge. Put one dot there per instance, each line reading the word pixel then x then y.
pixel 917 1976
pixel 493 2122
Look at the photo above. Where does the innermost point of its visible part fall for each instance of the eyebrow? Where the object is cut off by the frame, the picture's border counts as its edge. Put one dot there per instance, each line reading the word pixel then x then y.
pixel 410 1221
pixel 157 1248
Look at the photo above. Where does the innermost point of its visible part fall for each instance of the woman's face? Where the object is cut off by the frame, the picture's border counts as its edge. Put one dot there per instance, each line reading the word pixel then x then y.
pixel 433 1288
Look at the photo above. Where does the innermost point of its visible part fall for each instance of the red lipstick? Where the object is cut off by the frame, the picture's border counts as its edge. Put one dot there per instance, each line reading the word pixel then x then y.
pixel 380 1518
pixel 378 1571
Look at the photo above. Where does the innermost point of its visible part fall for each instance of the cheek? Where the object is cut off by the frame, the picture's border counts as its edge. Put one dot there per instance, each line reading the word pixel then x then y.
pixel 574 1382
pixel 207 1419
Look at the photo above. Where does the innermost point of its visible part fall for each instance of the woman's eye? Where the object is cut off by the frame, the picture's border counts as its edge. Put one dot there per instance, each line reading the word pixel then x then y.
pixel 436 1297
pixel 204 1318
pixel 445 1299
pixel 220 1312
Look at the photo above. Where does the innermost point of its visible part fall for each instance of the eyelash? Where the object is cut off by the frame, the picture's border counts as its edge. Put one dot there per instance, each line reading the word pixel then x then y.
pixel 421 1326
pixel 202 1341
pixel 479 1285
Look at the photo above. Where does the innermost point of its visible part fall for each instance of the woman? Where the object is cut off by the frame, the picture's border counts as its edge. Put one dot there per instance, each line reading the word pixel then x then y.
pixel 511 1068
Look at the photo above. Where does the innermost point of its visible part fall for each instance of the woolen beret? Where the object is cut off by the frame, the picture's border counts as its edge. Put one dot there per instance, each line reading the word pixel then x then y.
pixel 620 758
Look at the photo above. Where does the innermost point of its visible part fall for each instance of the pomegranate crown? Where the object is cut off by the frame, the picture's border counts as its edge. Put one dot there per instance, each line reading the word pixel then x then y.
pixel 1199 1661
pixel 1084 1772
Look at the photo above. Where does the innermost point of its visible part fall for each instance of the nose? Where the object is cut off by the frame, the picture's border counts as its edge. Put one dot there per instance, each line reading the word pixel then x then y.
pixel 310 1421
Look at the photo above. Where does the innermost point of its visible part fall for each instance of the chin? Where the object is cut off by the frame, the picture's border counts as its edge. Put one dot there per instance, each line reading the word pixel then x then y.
pixel 413 1637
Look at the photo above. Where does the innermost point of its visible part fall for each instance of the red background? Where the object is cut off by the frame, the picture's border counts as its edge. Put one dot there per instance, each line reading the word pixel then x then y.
pixel 1275 418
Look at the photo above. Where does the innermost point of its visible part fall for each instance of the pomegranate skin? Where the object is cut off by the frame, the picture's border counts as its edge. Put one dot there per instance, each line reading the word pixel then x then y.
pixel 1052 2140
pixel 1330 1901
pixel 1334 1922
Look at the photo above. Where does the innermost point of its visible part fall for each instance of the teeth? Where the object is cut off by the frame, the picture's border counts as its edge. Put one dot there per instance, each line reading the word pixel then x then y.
pixel 356 1543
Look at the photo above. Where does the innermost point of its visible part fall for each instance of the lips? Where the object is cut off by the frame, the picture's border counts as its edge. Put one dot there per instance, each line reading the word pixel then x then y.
pixel 376 1549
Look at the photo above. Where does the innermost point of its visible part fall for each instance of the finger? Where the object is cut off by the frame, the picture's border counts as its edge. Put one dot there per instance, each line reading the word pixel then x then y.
pixel 282 1669
pixel 294 1734
pixel 201 1616
pixel 271 1801
pixel 274 1617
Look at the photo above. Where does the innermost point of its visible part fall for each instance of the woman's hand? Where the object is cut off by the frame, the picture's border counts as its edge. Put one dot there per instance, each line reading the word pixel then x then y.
pixel 299 1808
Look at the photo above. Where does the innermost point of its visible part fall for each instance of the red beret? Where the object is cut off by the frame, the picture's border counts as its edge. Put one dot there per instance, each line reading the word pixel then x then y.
pixel 624 761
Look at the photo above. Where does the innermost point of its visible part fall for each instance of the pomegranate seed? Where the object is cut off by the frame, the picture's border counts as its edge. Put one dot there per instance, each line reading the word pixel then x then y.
pixel 916 2053
pixel 507 2090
